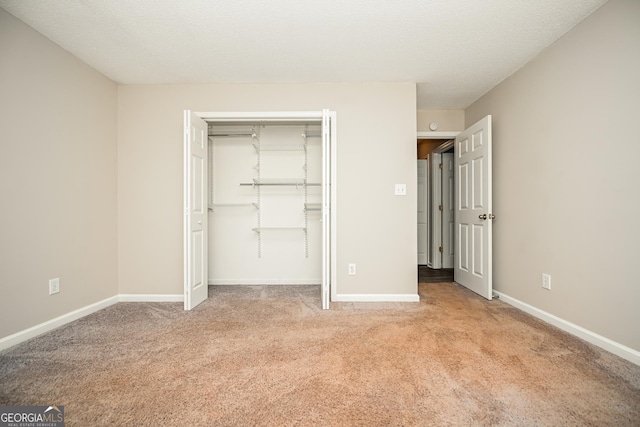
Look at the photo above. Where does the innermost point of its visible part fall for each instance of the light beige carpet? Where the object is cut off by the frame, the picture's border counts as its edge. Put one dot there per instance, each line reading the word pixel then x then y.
pixel 269 356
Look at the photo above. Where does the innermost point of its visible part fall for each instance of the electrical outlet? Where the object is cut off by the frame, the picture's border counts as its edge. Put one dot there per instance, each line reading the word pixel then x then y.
pixel 352 269
pixel 54 286
pixel 401 190
pixel 546 281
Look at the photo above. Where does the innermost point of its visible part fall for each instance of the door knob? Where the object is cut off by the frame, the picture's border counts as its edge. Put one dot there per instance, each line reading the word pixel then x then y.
pixel 200 222
pixel 482 217
pixel 492 216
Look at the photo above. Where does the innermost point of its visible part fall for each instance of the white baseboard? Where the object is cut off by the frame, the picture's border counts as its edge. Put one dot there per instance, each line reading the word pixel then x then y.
pixel 376 298
pixel 611 346
pixel 241 282
pixel 151 298
pixel 18 337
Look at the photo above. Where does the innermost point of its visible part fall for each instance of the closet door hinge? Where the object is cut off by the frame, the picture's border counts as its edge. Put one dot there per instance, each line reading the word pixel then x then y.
pixel 440 249
pixel 440 207
pixel 441 166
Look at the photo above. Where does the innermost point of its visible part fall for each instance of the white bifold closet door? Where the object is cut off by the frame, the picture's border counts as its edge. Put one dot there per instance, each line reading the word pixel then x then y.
pixel 328 130
pixel 195 210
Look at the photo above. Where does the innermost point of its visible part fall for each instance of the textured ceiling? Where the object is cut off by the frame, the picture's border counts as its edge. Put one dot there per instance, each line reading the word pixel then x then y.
pixel 456 50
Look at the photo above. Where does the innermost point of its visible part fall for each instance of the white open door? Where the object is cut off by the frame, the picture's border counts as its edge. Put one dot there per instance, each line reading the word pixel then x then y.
pixel 435 230
pixel 448 210
pixel 473 248
pixel 328 123
pixel 195 210
pixel 423 235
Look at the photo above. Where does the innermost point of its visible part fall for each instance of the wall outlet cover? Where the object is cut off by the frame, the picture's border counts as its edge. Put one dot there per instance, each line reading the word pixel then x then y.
pixel 352 269
pixel 54 286
pixel 401 190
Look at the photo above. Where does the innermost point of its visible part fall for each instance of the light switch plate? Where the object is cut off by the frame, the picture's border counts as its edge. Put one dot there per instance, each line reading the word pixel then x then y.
pixel 546 281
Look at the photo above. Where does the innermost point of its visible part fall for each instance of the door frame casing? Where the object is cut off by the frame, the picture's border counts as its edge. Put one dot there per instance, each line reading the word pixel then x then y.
pixel 437 135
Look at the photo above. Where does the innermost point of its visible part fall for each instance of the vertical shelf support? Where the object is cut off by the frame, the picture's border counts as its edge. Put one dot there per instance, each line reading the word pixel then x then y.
pixel 211 171
pixel 256 137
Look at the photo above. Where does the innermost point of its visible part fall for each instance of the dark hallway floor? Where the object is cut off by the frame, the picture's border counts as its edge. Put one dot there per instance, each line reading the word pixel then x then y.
pixel 429 275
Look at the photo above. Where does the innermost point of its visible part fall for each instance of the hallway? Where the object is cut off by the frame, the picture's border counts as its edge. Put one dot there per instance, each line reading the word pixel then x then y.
pixel 429 275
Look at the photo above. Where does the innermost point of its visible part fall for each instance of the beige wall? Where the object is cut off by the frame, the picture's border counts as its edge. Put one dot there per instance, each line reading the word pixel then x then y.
pixel 447 120
pixel 375 229
pixel 57 180
pixel 566 175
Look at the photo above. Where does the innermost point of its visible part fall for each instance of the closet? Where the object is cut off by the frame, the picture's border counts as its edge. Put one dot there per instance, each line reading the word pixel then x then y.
pixel 265 201
pixel 259 200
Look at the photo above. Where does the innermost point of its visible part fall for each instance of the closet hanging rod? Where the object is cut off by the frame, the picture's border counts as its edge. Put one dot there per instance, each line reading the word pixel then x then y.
pixel 280 184
pixel 251 135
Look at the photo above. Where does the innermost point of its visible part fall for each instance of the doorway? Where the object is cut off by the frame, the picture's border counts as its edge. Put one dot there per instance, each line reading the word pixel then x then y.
pixel 473 213
pixel 430 275
pixel 435 201
pixel 435 210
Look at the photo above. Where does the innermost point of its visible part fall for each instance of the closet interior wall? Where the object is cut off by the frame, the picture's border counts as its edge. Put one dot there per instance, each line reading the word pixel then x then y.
pixel 264 203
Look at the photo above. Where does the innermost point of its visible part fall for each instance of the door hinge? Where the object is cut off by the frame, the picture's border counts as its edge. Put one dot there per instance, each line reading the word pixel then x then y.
pixel 441 166
pixel 440 249
pixel 440 207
